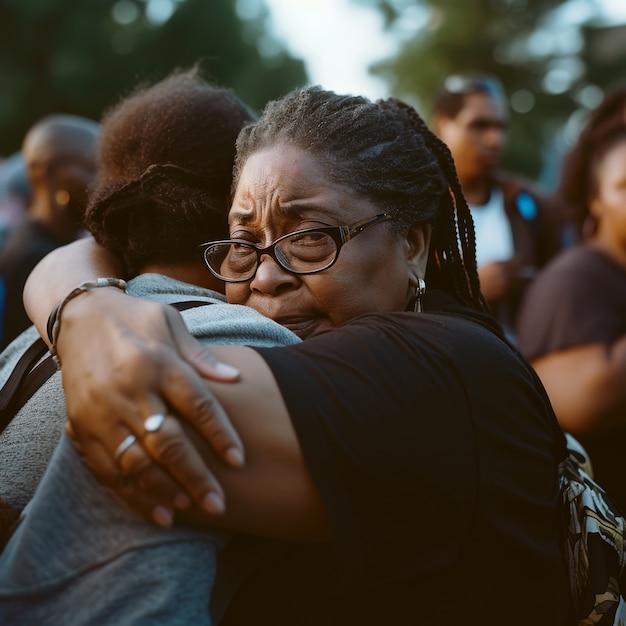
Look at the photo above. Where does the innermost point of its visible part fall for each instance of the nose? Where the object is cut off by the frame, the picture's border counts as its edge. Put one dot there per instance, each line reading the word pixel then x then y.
pixel 495 137
pixel 271 278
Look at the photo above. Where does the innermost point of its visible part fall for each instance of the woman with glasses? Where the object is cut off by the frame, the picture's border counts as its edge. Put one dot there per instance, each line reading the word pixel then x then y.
pixel 402 454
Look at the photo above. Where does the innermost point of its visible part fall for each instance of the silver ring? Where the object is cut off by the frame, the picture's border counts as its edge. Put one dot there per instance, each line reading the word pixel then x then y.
pixel 154 422
pixel 129 440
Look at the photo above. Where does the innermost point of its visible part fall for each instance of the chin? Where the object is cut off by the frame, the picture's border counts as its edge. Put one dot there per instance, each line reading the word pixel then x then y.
pixel 307 328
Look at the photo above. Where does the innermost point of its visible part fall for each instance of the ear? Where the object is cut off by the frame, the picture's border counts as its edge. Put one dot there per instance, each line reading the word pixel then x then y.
pixel 595 207
pixel 417 246
pixel 440 123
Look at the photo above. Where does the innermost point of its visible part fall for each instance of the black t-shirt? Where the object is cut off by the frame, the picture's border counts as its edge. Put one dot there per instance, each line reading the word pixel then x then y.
pixel 432 451
pixel 580 299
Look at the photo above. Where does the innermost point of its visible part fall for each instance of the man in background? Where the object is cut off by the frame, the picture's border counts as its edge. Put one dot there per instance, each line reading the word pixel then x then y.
pixel 60 156
pixel 517 229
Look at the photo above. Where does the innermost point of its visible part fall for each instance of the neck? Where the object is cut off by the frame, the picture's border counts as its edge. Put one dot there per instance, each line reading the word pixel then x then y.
pixel 191 272
pixel 614 250
pixel 476 190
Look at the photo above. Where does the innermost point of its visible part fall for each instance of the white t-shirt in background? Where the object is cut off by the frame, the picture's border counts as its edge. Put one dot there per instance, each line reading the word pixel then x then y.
pixel 494 238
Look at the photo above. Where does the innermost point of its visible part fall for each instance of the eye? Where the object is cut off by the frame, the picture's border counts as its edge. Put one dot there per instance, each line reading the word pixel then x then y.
pixel 311 247
pixel 314 238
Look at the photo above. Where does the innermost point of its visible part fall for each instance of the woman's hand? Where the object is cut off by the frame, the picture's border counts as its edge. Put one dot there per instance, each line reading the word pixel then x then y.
pixel 125 360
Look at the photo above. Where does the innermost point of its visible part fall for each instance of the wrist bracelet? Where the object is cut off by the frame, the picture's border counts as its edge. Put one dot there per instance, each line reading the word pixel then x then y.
pixel 53 326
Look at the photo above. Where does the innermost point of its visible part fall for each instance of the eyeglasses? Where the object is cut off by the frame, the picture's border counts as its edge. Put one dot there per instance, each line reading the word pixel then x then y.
pixel 468 84
pixel 305 251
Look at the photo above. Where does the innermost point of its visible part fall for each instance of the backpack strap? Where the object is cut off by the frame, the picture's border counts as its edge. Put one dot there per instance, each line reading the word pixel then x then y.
pixel 10 393
pixel 31 372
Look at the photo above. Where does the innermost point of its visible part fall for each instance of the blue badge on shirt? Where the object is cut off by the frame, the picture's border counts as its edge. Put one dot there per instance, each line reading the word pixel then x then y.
pixel 526 206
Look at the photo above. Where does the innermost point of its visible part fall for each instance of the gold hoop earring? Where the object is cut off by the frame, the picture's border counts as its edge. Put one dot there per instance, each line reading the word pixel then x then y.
pixel 420 290
pixel 62 197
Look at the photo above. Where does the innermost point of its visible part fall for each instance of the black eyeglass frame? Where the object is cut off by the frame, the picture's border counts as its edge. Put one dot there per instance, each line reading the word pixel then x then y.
pixel 340 235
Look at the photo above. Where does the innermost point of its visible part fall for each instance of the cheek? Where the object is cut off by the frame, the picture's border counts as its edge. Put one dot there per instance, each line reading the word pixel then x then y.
pixel 237 293
pixel 375 288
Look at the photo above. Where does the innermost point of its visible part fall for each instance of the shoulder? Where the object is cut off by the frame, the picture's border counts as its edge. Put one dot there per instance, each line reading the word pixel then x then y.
pixel 572 301
pixel 234 324
pixel 426 349
pixel 573 265
pixel 513 185
pixel 219 323
pixel 529 199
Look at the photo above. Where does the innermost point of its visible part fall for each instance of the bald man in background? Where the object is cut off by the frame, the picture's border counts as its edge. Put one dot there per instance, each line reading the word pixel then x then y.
pixel 60 156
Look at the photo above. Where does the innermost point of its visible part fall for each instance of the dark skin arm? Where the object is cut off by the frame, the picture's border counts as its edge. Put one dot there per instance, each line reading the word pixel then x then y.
pixel 108 339
pixel 143 342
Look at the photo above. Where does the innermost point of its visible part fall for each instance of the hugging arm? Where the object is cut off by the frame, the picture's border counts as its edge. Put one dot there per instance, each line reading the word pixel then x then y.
pixel 110 339
pixel 62 270
pixel 125 359
pixel 272 495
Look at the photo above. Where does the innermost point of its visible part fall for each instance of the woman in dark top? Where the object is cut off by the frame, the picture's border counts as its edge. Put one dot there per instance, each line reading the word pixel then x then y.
pixel 403 436
pixel 573 323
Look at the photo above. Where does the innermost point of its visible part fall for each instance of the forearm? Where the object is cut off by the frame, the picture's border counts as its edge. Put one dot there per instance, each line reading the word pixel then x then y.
pixel 137 374
pixel 62 270
pixel 587 386
pixel 273 495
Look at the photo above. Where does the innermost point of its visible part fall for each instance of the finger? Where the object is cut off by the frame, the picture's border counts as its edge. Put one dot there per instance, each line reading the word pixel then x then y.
pixel 148 489
pixel 161 487
pixel 130 494
pixel 71 435
pixel 170 446
pixel 100 460
pixel 189 396
pixel 200 357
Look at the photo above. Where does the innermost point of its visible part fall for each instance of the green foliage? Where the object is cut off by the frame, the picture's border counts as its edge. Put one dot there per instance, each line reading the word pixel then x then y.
pixel 520 41
pixel 74 56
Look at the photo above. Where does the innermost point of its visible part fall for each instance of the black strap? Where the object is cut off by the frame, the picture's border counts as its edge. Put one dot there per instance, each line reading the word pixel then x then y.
pixel 29 374
pixel 10 394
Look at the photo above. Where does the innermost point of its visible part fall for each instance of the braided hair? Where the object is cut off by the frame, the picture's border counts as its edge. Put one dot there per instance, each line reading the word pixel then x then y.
pixel 386 153
pixel 166 157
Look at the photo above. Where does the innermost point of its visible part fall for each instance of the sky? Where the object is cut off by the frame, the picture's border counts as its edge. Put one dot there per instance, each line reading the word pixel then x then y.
pixel 338 39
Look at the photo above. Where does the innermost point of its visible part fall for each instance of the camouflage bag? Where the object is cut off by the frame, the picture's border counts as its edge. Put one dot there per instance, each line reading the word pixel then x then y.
pixel 594 532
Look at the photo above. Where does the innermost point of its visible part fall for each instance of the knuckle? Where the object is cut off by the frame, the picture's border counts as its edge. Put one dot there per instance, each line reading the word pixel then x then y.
pixel 204 413
pixel 169 451
pixel 136 464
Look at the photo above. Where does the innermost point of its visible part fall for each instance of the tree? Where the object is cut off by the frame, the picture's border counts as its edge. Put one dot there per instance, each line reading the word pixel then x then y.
pixel 534 46
pixel 80 56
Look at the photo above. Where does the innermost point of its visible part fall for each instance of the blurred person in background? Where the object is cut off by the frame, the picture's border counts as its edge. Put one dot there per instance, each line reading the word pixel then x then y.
pixel 517 229
pixel 572 325
pixel 152 203
pixel 59 152
pixel 15 193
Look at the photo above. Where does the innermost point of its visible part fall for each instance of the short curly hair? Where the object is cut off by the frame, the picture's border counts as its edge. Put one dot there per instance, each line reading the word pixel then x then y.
pixel 384 151
pixel 166 157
